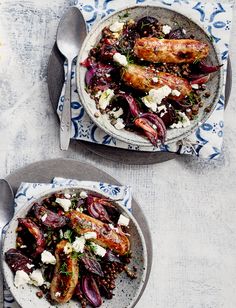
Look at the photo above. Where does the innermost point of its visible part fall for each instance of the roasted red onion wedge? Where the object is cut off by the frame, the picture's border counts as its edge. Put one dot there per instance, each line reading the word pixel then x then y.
pixel 17 261
pixel 91 291
pixel 49 218
pixel 153 127
pixel 200 80
pixel 96 208
pixel 111 257
pixel 133 106
pixel 92 266
pixel 207 69
pixel 36 233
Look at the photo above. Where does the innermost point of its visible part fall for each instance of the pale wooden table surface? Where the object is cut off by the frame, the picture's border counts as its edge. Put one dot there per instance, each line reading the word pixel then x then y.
pixel 190 204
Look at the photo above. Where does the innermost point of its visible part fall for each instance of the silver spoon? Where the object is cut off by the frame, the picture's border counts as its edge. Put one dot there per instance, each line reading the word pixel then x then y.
pixel 70 34
pixel 6 214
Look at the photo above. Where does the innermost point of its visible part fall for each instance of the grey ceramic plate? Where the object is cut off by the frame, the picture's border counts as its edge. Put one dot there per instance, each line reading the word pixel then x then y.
pixel 164 16
pixel 126 290
pixel 44 171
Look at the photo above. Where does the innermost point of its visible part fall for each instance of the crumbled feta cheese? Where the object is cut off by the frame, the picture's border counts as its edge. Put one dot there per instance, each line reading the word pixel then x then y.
pixel 123 220
pixel 47 284
pixel 155 97
pixel 155 79
pixel 47 257
pixel 67 248
pixel 29 265
pixel 161 108
pixel 116 35
pixel 78 244
pixel 21 278
pixel 57 294
pixel 120 59
pixel 195 86
pixel 36 278
pixel 105 98
pixel 98 250
pixel 116 114
pixel 89 235
pixel 166 29
pixel 175 93
pixel 117 26
pixel 67 196
pixel 184 122
pixel 61 234
pixel 184 31
pixel 98 94
pixel 64 203
pixel 83 195
pixel 111 226
pixel 44 217
pixel 79 209
pixel 119 124
pixel 23 246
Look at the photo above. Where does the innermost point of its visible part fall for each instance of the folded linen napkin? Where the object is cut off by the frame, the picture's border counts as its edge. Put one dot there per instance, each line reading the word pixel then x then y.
pixel 30 191
pixel 206 141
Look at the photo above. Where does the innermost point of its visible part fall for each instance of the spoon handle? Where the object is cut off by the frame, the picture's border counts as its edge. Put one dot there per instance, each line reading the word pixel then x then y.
pixel 65 124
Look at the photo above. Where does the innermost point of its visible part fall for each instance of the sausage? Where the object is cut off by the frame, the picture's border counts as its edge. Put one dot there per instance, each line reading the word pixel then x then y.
pixel 170 51
pixel 144 79
pixel 106 237
pixel 66 275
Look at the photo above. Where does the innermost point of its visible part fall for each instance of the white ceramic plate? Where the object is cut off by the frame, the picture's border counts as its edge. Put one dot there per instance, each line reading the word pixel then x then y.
pixel 126 291
pixel 165 16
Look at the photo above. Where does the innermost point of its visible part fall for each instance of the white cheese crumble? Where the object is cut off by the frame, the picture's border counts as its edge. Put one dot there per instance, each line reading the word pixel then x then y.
pixel 78 244
pixel 64 203
pixel 117 26
pixel 61 234
pixel 184 31
pixel 116 114
pixel 23 246
pixel 44 217
pixel 47 257
pixel 155 79
pixel 175 93
pixel 21 278
pixel 123 220
pixel 98 94
pixel 67 248
pixel 119 124
pixel 57 294
pixel 155 97
pixel 195 86
pixel 166 29
pixel 120 59
pixel 89 235
pixel 29 265
pixel 161 108
pixel 36 278
pixel 83 195
pixel 67 196
pixel 184 122
pixel 105 98
pixel 98 250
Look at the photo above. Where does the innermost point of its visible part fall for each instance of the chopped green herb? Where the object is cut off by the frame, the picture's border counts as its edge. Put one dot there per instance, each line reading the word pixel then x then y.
pixel 63 270
pixel 74 203
pixel 125 15
pixel 76 255
pixel 68 235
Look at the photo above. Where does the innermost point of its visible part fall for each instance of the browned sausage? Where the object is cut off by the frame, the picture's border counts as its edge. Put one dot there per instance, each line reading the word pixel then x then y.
pixel 66 275
pixel 170 51
pixel 106 237
pixel 144 79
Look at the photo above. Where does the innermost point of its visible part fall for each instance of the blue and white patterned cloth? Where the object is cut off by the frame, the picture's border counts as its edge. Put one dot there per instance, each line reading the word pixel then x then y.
pixel 30 191
pixel 206 141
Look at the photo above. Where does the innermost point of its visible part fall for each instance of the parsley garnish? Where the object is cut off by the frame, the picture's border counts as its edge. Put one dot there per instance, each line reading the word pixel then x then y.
pixel 68 235
pixel 63 270
pixel 125 15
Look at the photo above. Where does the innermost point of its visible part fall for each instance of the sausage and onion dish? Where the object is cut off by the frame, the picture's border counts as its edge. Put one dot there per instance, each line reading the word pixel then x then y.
pixel 72 246
pixel 147 77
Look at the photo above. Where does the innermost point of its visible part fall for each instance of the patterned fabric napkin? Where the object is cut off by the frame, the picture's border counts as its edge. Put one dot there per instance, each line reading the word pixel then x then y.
pixel 206 141
pixel 30 191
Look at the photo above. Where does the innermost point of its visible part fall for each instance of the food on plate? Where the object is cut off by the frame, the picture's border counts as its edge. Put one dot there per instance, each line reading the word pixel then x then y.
pixel 147 77
pixel 72 245
pixel 170 50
